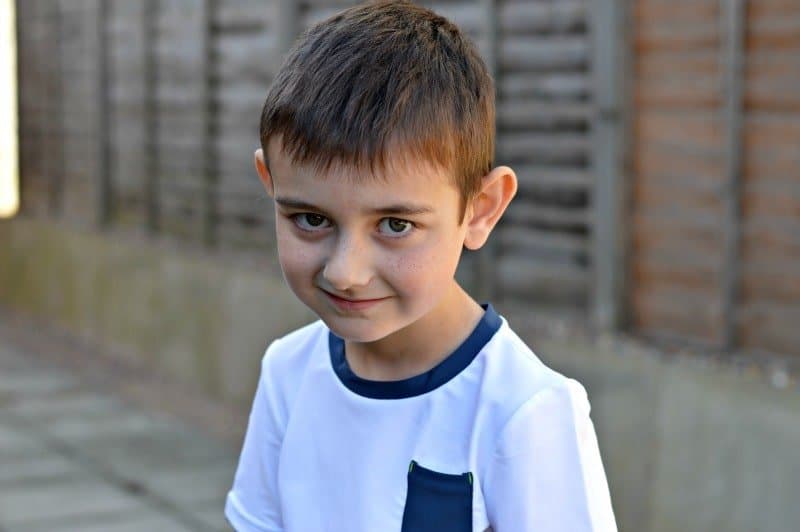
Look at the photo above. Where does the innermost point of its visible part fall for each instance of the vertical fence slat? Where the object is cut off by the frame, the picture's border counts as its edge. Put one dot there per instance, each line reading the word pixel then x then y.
pixel 732 15
pixel 151 124
pixel 105 189
pixel 55 111
pixel 610 68
pixel 210 190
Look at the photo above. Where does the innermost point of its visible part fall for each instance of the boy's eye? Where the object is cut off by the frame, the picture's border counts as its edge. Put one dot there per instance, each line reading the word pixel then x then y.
pixel 308 221
pixel 395 226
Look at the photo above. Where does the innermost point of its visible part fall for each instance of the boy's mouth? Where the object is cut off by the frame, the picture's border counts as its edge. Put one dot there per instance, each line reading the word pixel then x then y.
pixel 344 303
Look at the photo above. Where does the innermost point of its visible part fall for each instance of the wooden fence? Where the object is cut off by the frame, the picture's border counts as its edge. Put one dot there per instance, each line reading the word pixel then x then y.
pixel 715 252
pixel 143 113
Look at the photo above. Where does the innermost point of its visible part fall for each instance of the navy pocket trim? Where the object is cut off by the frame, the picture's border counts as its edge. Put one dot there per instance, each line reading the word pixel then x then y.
pixel 437 502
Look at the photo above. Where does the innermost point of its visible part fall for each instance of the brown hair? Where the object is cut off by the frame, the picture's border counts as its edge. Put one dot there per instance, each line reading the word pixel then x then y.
pixel 383 78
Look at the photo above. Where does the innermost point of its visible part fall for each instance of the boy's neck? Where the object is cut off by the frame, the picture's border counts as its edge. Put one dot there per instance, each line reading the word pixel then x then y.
pixel 420 346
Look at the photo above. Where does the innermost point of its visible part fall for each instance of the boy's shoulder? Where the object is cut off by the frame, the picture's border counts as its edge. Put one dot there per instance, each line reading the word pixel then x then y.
pixel 291 352
pixel 515 375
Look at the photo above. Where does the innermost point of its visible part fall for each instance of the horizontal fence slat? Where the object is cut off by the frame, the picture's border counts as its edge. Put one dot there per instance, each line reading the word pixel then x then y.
pixel 528 278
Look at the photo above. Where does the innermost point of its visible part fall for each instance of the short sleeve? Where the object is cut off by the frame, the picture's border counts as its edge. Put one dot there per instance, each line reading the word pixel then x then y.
pixel 252 503
pixel 546 474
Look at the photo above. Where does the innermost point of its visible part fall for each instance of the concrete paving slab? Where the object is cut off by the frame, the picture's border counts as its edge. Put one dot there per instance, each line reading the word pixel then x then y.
pixel 118 522
pixel 12 437
pixel 16 444
pixel 213 517
pixel 31 506
pixel 12 358
pixel 122 423
pixel 193 487
pixel 74 456
pixel 75 404
pixel 30 383
pixel 36 470
pixel 134 455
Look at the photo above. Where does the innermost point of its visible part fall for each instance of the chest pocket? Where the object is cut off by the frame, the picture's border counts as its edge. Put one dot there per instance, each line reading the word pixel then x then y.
pixel 437 502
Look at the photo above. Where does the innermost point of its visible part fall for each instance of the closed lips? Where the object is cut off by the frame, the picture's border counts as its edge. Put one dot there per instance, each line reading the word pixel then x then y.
pixel 366 300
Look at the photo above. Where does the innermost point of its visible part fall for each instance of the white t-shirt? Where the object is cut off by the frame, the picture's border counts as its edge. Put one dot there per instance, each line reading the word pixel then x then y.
pixel 490 437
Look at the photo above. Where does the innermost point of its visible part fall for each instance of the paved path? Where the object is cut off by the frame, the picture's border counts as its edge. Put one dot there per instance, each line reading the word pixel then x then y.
pixel 76 458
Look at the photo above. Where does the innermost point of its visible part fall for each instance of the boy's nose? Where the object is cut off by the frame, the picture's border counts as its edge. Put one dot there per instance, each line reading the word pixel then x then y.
pixel 348 266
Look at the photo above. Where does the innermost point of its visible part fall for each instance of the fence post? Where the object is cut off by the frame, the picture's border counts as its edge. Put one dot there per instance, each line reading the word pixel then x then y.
pixel 105 188
pixel 210 177
pixel 486 282
pixel 732 20
pixel 150 119
pixel 610 67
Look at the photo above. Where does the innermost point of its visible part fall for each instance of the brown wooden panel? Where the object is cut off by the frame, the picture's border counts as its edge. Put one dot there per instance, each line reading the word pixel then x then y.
pixel 771 202
pixel 653 195
pixel 678 93
pixel 655 159
pixel 651 272
pixel 684 251
pixel 774 30
pixel 672 64
pixel 771 95
pixel 759 284
pixel 771 164
pixel 693 127
pixel 692 36
pixel 773 133
pixel 770 326
pixel 675 11
pixel 769 309
pixel 772 65
pixel 681 313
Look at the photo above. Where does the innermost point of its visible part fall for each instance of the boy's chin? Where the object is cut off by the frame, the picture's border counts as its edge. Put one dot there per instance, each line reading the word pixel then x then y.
pixel 362 333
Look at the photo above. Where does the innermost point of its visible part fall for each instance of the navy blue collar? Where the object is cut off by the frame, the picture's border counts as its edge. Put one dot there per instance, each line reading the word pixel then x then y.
pixel 425 382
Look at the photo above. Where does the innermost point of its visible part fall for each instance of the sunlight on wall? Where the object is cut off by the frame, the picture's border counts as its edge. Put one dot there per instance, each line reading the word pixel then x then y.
pixel 9 169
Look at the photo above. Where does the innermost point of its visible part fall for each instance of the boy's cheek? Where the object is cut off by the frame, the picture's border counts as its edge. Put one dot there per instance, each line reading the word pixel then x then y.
pixel 297 260
pixel 426 268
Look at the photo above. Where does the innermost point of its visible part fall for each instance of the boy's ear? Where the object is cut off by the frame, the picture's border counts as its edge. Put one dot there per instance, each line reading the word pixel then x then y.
pixel 263 172
pixel 498 188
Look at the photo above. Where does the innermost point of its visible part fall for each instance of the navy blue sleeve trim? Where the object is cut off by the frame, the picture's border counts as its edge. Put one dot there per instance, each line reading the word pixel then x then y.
pixel 419 384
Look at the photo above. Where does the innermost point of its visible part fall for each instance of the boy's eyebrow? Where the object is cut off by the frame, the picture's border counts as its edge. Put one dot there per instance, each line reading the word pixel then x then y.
pixel 398 209
pixel 296 204
pixel 406 210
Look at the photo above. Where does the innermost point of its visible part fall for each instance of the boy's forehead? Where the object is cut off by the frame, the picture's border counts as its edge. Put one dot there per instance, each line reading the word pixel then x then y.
pixel 399 168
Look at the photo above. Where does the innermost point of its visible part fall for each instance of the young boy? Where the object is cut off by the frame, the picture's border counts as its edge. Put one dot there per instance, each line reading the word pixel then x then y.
pixel 408 406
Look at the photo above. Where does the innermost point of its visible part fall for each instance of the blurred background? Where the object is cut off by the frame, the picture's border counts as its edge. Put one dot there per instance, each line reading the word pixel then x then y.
pixel 653 250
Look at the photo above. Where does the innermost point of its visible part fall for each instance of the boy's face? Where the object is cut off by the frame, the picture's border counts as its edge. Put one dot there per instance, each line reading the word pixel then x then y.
pixel 369 255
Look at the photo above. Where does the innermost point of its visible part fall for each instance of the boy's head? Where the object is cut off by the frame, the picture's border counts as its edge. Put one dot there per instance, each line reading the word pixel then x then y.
pixel 381 80
pixel 377 144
